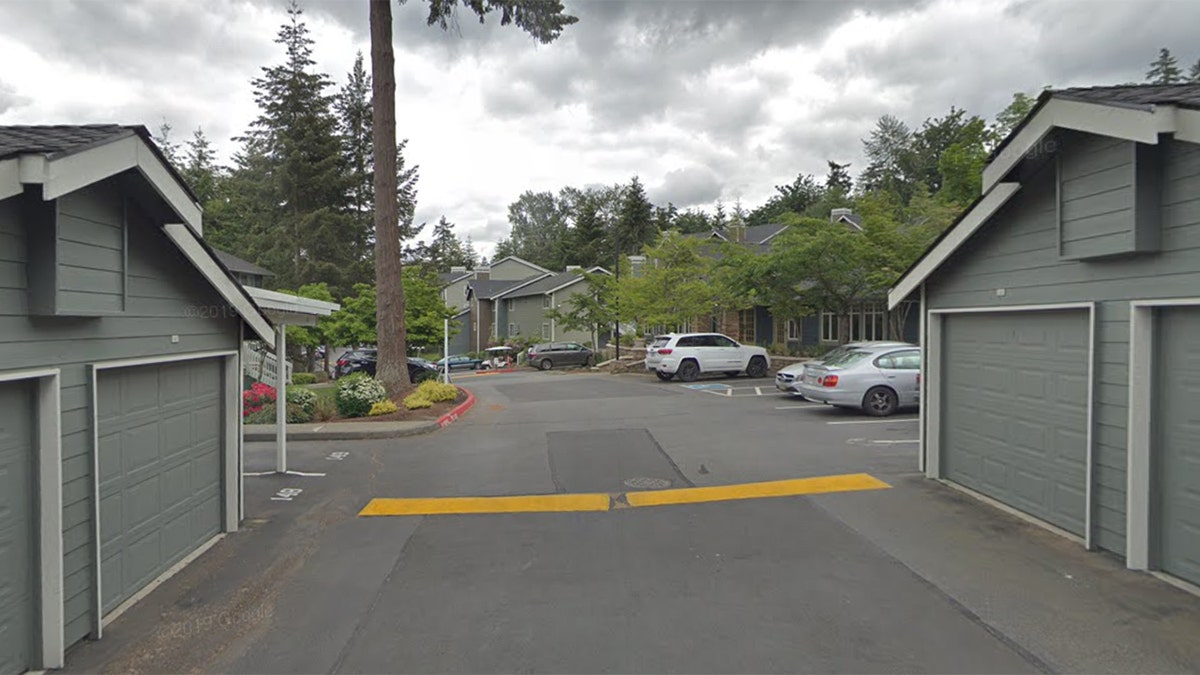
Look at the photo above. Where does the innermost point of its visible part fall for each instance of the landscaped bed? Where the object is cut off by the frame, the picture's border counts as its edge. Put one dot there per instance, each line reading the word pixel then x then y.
pixel 355 398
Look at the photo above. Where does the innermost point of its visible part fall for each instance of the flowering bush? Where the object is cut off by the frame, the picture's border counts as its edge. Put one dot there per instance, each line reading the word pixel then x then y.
pixel 257 396
pixel 384 407
pixel 356 395
pixel 304 400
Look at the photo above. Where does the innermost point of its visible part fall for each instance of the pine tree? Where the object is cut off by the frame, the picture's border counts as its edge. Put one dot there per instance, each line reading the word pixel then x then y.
pixel 169 148
pixel 309 237
pixel 1194 73
pixel 199 167
pixel 588 246
pixel 635 227
pixel 838 180
pixel 1164 69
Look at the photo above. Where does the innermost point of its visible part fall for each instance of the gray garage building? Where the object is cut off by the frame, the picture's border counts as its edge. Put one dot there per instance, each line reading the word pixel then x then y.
pixel 120 443
pixel 1061 326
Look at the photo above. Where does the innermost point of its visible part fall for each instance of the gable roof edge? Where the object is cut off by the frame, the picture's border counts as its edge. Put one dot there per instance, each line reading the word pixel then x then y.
pixel 519 286
pixel 954 237
pixel 200 255
pixel 590 270
pixel 523 262
pixel 1142 125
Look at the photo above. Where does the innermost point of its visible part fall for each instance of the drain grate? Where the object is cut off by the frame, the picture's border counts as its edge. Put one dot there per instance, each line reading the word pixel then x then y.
pixel 644 483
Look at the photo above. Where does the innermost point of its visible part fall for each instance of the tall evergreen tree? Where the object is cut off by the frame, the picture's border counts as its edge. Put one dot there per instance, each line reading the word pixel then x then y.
pixel 168 146
pixel 635 226
pixel 308 237
pixel 838 179
pixel 1164 69
pixel 199 167
pixel 588 236
pixel 1194 73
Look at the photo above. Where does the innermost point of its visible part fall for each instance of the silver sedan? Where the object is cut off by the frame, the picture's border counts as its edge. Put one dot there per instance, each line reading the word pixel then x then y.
pixel 878 380
pixel 788 378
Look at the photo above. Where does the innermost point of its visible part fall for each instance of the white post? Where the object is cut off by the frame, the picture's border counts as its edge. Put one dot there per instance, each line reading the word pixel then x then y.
pixel 446 347
pixel 280 399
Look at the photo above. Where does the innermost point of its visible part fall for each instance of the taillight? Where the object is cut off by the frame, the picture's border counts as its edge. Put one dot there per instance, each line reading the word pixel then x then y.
pixel 342 362
pixel 665 351
pixel 828 381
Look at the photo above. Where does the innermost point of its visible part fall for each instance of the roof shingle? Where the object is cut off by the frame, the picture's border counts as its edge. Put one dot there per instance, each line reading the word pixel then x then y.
pixel 58 140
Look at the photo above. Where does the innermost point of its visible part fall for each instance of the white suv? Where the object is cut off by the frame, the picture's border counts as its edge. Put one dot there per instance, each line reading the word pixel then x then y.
pixel 690 354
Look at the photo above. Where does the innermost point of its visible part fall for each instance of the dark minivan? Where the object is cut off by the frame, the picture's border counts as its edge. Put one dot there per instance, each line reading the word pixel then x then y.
pixel 550 354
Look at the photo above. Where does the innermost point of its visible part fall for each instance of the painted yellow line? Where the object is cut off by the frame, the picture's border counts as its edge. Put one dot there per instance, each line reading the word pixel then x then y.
pixel 452 505
pixel 775 488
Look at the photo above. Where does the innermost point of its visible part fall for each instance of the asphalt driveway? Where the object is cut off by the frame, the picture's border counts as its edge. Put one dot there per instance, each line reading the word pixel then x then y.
pixel 910 577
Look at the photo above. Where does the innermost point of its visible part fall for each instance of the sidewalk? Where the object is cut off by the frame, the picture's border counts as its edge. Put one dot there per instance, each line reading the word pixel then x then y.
pixel 341 431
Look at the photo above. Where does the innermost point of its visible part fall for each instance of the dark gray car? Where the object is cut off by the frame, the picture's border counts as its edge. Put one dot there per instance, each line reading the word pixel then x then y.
pixel 550 354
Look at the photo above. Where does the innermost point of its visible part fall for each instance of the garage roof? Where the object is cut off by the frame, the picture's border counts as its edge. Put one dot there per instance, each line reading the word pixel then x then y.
pixel 63 159
pixel 1137 113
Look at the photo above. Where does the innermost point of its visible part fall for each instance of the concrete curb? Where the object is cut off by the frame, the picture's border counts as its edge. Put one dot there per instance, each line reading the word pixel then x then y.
pixel 331 432
pixel 459 410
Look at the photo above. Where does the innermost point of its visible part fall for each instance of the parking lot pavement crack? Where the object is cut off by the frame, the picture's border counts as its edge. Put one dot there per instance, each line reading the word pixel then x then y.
pixel 619 500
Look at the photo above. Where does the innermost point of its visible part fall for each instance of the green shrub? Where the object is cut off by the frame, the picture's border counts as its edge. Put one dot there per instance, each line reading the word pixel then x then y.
pixel 437 392
pixel 304 378
pixel 356 395
pixel 305 399
pixel 324 409
pixel 416 400
pixel 384 407
pixel 627 339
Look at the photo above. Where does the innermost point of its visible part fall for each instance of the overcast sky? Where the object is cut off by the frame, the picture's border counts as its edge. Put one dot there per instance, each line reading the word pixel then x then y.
pixel 704 100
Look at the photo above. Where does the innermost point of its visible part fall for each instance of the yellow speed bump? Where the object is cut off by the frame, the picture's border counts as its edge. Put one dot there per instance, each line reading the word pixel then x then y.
pixel 776 488
pixel 453 505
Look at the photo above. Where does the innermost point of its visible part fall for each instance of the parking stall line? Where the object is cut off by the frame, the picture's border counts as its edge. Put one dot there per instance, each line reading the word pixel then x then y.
pixel 907 419
pixel 800 407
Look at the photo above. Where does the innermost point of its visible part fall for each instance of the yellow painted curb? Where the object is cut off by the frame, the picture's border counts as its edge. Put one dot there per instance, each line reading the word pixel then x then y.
pixel 776 488
pixel 452 505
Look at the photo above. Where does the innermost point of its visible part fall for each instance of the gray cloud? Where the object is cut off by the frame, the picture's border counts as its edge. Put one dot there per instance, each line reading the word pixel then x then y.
pixel 10 99
pixel 686 187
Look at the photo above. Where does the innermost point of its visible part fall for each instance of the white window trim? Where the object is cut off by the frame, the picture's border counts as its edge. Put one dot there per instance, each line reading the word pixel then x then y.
pixel 231 471
pixel 50 509
pixel 821 334
pixel 792 331
pixel 1140 452
pixel 546 330
pixel 931 401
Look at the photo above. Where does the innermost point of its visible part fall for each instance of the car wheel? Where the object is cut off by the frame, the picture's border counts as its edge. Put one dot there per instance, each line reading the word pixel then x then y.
pixel 688 371
pixel 589 362
pixel 731 373
pixel 665 377
pixel 880 402
pixel 757 367
pixel 545 364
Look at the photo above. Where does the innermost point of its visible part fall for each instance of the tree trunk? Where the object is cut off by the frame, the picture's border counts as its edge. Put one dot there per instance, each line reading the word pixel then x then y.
pixel 392 368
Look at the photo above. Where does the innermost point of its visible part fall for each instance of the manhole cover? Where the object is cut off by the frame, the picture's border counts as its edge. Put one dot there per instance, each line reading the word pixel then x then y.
pixel 644 483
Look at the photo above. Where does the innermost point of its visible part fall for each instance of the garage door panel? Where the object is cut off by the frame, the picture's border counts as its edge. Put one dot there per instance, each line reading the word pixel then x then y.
pixel 1015 410
pixel 1176 448
pixel 161 468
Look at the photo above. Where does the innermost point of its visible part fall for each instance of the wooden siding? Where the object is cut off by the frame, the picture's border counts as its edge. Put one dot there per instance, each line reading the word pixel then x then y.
pixel 1096 187
pixel 1018 251
pixel 166 297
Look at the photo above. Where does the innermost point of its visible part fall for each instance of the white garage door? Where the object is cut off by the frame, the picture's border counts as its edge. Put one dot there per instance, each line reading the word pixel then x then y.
pixel 18 557
pixel 1176 448
pixel 1014 410
pixel 160 430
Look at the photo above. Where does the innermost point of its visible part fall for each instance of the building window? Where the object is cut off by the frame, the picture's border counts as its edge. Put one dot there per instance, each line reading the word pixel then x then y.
pixel 874 323
pixel 746 325
pixel 508 304
pixel 829 327
pixel 793 329
pixel 545 302
pixel 513 329
pixel 545 331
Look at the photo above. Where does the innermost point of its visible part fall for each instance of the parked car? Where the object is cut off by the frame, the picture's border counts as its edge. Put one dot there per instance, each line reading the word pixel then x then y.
pixel 878 379
pixel 550 354
pixel 788 378
pixel 688 355
pixel 460 362
pixel 366 360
